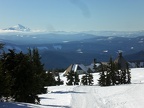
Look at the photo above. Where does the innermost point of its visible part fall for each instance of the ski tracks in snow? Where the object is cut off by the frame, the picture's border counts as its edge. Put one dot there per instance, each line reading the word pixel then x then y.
pixel 123 96
pixel 87 97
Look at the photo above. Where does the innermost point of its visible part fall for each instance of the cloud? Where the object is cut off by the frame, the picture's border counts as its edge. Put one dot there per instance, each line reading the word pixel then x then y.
pixel 16 31
pixel 8 31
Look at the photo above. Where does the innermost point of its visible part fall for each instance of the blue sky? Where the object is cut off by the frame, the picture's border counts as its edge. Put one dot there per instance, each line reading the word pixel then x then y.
pixel 73 15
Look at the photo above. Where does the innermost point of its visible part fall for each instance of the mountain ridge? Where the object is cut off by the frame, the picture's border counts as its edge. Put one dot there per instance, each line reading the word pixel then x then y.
pixel 22 29
pixel 18 27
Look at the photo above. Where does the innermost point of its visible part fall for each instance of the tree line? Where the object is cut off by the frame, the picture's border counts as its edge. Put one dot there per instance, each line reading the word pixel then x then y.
pixel 22 76
pixel 112 75
pixel 73 78
pixel 109 75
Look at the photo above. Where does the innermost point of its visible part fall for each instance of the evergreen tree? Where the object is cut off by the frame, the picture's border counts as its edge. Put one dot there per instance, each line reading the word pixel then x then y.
pixel 2 83
pixel 108 78
pixel 23 89
pixel 102 78
pixel 50 79
pixel 7 71
pixel 118 77
pixel 23 76
pixel 5 81
pixel 90 77
pixel 108 75
pixel 87 79
pixel 84 80
pixel 38 70
pixel 70 78
pixel 111 74
pixel 124 76
pixel 128 75
pixel 76 79
pixel 59 81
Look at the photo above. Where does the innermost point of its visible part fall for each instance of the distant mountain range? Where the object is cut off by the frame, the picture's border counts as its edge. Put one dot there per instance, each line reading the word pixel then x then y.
pixel 23 29
pixel 138 56
pixel 60 49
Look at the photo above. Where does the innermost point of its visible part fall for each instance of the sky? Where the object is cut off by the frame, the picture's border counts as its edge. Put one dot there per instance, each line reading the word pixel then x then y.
pixel 73 15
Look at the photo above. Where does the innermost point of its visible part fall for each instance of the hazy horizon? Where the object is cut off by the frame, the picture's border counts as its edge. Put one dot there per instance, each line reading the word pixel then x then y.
pixel 73 15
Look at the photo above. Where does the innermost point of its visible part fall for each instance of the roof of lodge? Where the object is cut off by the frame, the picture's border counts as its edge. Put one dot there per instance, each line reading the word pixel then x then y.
pixel 121 62
pixel 75 67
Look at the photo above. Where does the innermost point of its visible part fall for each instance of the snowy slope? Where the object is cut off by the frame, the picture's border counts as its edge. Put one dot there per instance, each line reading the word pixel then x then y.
pixel 18 27
pixel 122 96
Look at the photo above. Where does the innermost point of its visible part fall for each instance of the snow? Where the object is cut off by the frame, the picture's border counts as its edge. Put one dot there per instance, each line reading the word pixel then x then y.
pixel 18 27
pixel 57 47
pixel 121 96
pixel 42 48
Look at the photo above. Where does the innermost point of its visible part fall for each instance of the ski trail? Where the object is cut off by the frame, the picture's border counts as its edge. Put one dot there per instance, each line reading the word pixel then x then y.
pixel 122 96
pixel 86 97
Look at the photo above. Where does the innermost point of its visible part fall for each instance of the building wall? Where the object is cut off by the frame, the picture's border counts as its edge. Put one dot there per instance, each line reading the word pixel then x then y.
pixel 80 71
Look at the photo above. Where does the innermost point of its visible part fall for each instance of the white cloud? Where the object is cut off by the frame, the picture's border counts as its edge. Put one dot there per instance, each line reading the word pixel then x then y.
pixel 8 31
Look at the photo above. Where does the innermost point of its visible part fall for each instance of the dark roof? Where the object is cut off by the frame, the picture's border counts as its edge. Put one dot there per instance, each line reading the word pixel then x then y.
pixel 121 62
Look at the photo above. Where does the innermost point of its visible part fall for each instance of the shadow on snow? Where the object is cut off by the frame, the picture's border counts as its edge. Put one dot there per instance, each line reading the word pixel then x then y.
pixel 65 92
pixel 26 105
pixel 60 106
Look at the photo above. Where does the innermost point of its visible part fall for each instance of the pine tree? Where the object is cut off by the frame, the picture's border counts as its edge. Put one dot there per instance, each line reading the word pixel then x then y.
pixel 7 70
pixel 76 79
pixel 87 79
pixel 5 81
pixel 38 70
pixel 128 75
pixel 118 77
pixel 84 80
pixel 70 78
pixel 2 83
pixel 125 76
pixel 50 79
pixel 102 79
pixel 112 76
pixel 59 81
pixel 24 76
pixel 23 88
pixel 90 77
pixel 112 71
pixel 108 78
pixel 108 75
